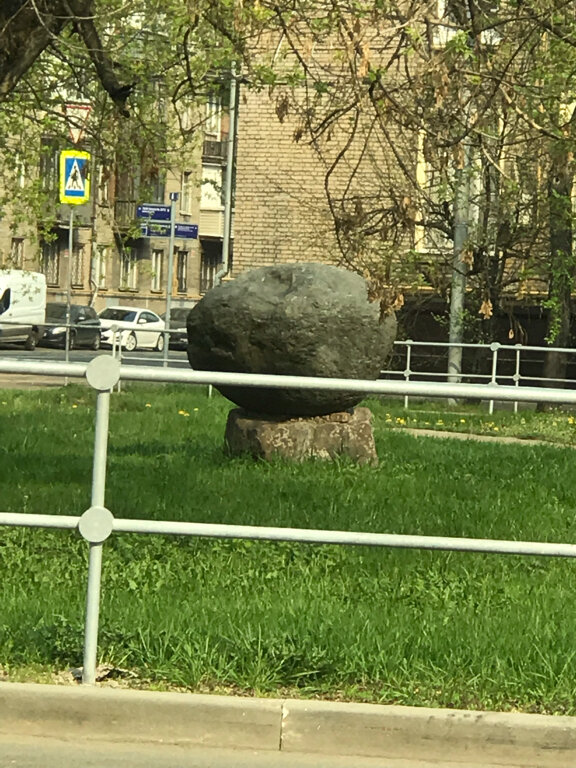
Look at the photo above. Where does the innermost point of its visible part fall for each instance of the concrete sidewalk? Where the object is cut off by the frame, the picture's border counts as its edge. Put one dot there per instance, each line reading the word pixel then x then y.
pixel 298 726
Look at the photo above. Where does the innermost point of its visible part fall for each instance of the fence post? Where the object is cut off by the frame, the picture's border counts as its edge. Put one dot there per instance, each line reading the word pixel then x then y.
pixel 516 378
pixel 96 523
pixel 407 370
pixel 494 347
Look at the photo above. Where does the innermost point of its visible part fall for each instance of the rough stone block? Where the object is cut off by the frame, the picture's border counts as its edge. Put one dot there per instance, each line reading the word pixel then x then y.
pixel 345 433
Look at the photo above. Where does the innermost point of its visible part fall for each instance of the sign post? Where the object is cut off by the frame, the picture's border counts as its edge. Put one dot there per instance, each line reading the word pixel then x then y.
pixel 74 190
pixel 173 201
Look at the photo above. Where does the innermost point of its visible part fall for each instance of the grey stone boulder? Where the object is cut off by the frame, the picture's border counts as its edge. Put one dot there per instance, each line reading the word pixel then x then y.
pixel 291 319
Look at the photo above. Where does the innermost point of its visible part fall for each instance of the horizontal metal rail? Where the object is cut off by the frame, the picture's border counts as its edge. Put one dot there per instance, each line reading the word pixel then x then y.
pixel 302 535
pixel 361 386
pixel 317 536
pixel 22 519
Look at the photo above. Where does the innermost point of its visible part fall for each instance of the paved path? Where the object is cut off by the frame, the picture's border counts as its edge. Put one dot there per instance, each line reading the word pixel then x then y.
pixel 479 438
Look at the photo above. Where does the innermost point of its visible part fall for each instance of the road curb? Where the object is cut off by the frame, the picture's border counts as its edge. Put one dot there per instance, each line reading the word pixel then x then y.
pixel 332 728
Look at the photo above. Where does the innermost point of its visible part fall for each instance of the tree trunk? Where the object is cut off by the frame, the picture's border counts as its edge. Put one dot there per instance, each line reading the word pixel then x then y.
pixel 562 269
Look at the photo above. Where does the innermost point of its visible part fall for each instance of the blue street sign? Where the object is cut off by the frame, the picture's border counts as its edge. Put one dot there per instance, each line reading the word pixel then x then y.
pixel 163 230
pixel 153 212
pixel 155 230
pixel 186 230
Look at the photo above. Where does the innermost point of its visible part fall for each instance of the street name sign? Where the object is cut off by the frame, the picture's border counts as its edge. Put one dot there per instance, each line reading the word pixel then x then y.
pixel 74 177
pixel 189 231
pixel 186 230
pixel 153 212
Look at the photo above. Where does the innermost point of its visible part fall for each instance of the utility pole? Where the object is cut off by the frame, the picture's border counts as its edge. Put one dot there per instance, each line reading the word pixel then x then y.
pixel 229 179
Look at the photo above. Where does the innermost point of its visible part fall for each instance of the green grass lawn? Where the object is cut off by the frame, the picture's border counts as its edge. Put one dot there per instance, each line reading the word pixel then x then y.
pixel 393 626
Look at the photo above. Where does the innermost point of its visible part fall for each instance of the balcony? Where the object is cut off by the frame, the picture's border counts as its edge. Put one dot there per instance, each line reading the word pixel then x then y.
pixel 214 151
pixel 125 212
pixel 211 223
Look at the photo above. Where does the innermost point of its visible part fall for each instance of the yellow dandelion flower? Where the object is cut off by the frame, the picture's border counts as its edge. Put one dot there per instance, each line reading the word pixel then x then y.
pixel 183 413
pixel 74 405
pixel 148 405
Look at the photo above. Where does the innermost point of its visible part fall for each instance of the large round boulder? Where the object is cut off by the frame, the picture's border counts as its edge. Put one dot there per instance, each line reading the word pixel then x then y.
pixel 291 319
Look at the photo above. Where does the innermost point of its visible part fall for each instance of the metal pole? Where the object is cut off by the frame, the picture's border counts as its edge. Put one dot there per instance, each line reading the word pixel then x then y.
pixel 173 200
pixel 92 614
pixel 516 376
pixel 95 558
pixel 407 371
pixel 69 282
pixel 494 347
pixel 228 180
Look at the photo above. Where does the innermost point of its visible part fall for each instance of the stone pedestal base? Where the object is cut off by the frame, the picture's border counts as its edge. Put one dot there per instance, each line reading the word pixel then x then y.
pixel 346 433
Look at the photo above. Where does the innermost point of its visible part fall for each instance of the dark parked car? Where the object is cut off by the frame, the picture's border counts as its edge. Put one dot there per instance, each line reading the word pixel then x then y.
pixel 84 333
pixel 179 336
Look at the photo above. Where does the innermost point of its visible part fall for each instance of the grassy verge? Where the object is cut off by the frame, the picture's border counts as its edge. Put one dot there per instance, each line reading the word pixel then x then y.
pixel 424 628
pixel 557 426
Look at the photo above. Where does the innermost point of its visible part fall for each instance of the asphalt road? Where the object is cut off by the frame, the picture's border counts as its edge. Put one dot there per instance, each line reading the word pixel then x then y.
pixel 138 357
pixel 33 752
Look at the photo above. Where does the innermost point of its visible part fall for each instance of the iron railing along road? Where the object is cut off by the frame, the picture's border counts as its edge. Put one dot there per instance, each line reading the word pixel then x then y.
pixel 97 523
pixel 505 362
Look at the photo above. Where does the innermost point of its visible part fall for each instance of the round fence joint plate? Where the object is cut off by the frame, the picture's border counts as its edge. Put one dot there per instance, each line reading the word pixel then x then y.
pixel 96 524
pixel 495 346
pixel 103 372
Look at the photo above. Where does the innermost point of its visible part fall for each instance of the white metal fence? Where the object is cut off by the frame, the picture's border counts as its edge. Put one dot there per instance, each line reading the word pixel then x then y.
pixel 503 362
pixel 97 523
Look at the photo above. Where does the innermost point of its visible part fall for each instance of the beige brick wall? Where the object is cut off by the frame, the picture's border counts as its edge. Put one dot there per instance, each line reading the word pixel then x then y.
pixel 282 212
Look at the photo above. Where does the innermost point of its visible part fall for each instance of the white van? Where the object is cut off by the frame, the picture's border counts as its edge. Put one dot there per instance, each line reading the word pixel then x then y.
pixel 22 306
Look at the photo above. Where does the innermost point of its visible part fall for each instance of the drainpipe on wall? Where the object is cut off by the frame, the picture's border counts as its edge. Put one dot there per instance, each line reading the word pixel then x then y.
pixel 228 180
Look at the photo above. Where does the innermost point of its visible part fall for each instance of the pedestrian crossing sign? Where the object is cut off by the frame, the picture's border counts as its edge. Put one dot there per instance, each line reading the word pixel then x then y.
pixel 74 177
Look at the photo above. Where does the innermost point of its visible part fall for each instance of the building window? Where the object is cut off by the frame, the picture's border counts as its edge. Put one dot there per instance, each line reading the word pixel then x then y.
pixel 453 19
pixel 77 271
pixel 211 196
pixel 186 193
pixel 51 262
pixel 103 185
pixel 433 233
pixel 128 270
pixel 49 166
pixel 17 253
pixel 213 122
pixel 157 270
pixel 182 272
pixel 210 263
pixel 20 171
pixel 99 268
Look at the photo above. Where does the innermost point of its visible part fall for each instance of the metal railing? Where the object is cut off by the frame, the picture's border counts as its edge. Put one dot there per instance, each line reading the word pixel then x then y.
pixel 510 355
pixel 97 523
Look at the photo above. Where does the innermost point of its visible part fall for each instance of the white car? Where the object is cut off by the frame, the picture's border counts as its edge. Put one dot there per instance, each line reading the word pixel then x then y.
pixel 136 327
